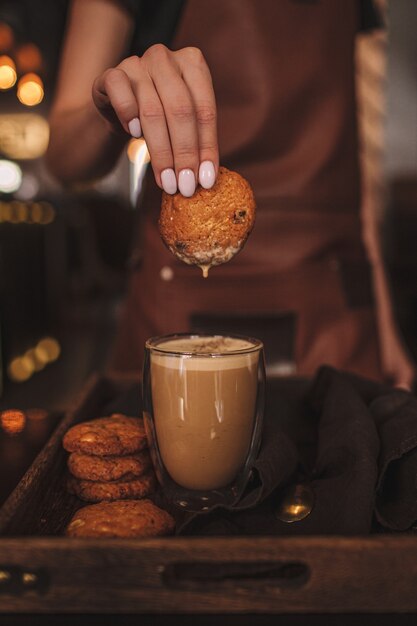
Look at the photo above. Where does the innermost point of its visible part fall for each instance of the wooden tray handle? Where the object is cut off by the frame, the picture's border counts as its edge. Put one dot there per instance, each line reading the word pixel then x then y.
pixel 206 575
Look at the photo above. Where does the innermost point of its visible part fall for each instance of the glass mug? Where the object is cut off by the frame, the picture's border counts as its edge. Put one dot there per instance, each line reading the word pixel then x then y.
pixel 203 403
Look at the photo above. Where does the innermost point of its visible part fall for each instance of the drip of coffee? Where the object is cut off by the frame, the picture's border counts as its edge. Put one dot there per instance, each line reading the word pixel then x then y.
pixel 204 402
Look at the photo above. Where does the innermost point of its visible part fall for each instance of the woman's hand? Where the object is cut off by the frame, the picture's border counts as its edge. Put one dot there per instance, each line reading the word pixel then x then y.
pixel 168 97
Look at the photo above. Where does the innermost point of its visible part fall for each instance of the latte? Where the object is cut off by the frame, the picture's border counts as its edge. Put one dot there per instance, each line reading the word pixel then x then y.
pixel 204 403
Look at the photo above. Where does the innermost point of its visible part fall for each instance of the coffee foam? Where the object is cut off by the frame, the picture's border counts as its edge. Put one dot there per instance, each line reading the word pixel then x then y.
pixel 194 353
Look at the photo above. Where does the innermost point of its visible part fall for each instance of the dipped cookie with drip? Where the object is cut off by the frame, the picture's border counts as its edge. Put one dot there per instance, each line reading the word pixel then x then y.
pixel 212 226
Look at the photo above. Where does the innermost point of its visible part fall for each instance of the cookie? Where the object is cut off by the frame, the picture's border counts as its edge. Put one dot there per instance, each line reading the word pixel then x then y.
pixel 115 435
pixel 94 491
pixel 105 468
pixel 212 226
pixel 121 518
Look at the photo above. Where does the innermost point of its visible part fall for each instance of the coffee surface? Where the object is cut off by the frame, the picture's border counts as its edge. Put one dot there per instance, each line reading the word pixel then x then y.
pixel 205 345
pixel 204 410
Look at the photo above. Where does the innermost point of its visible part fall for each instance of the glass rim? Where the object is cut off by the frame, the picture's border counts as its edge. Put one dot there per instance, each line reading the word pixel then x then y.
pixel 151 344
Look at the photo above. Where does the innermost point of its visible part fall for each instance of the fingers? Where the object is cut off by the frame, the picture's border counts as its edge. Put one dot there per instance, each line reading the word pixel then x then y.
pixel 180 117
pixel 169 97
pixel 114 97
pixel 155 132
pixel 196 76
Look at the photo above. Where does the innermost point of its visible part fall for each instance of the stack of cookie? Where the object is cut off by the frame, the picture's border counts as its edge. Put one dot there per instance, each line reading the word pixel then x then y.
pixel 109 459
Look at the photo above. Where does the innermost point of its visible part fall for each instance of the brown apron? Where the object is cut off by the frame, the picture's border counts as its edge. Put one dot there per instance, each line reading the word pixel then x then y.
pixel 284 80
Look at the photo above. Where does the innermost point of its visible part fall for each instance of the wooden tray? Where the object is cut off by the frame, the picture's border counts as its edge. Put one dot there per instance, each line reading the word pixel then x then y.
pixel 42 571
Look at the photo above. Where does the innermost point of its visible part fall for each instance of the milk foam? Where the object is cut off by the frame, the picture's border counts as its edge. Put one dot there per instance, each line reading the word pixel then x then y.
pixel 194 353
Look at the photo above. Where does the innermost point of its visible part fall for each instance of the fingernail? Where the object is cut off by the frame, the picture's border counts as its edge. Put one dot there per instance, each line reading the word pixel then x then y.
pixel 134 127
pixel 206 174
pixel 169 181
pixel 186 182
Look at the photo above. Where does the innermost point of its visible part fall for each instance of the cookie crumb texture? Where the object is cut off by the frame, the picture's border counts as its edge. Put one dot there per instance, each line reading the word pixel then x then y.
pixel 212 226
pixel 115 435
pixel 97 491
pixel 121 518
pixel 108 468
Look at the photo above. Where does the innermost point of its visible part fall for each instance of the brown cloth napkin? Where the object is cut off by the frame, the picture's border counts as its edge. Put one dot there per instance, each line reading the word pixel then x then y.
pixel 353 441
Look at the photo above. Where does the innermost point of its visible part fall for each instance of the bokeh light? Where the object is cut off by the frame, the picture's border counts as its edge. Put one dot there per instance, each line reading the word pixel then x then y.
pixel 12 421
pixel 29 187
pixel 20 210
pixel 7 73
pixel 36 213
pixel 37 365
pixel 23 135
pixel 28 58
pixel 137 149
pixel 36 414
pixel 6 37
pixel 10 176
pixel 21 368
pixel 30 90
pixel 138 155
pixel 48 213
pixel 47 350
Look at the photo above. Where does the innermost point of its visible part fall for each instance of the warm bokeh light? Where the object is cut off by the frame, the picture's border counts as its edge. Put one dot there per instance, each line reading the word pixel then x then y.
pixel 21 368
pixel 47 350
pixel 12 421
pixel 37 365
pixel 23 135
pixel 7 73
pixel 6 37
pixel 36 213
pixel 10 176
pixel 28 58
pixel 5 212
pixel 137 149
pixel 36 414
pixel 138 155
pixel 47 213
pixel 20 212
pixel 30 90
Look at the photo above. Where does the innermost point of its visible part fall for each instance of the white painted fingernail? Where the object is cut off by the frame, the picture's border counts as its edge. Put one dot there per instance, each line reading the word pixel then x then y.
pixel 206 174
pixel 169 181
pixel 134 127
pixel 186 182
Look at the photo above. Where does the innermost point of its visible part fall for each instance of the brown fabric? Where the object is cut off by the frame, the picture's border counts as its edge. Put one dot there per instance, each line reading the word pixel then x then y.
pixel 362 469
pixel 284 80
pixel 283 77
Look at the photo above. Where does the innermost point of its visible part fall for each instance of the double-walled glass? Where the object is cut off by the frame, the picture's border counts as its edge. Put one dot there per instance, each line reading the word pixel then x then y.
pixel 203 400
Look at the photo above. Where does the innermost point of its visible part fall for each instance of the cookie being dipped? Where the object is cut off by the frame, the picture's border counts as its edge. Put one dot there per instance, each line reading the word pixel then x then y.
pixel 212 226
